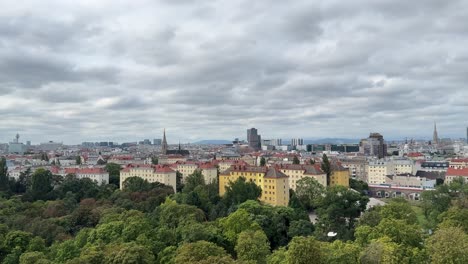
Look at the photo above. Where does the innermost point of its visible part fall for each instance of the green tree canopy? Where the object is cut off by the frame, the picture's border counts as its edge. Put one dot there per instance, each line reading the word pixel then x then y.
pixel 253 246
pixel 309 192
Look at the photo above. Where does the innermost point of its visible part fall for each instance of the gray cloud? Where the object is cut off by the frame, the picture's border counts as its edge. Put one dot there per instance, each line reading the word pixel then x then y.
pixel 124 71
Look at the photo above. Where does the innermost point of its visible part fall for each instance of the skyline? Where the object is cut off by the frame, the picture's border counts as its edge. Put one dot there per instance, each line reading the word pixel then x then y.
pixel 117 71
pixel 175 141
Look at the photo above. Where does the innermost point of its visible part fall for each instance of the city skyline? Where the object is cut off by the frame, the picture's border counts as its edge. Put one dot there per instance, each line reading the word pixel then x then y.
pixel 124 70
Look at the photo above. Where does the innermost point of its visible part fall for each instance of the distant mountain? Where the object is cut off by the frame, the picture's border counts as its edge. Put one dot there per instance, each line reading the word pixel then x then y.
pixel 212 142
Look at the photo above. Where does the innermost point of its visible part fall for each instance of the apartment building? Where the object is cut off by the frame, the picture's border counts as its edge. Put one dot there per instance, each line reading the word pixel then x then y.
pixel 274 183
pixel 152 173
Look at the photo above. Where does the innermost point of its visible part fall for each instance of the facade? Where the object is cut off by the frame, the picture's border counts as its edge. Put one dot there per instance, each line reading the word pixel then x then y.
pixel 208 170
pixel 254 139
pixel 152 173
pixel 403 166
pixel 374 145
pixel 274 183
pixel 99 175
pixel 378 170
pixel 298 172
pixel 408 180
pixel 357 168
pixel 453 173
pixel 339 177
pixel 171 159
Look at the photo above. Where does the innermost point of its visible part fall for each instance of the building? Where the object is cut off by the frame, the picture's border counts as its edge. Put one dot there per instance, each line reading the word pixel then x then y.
pixel 297 142
pixel 339 176
pixel 374 145
pixel 274 183
pixel 50 146
pixel 456 172
pixel 171 159
pixel 152 173
pixel 408 180
pixel 16 147
pixel 403 166
pixel 378 170
pixel 166 151
pixel 157 142
pixel 254 139
pixel 357 168
pixel 296 172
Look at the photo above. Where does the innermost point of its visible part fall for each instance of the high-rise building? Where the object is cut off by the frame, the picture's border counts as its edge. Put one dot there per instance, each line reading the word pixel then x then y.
pixel 374 145
pixel 435 136
pixel 254 138
pixel 297 142
pixel 157 141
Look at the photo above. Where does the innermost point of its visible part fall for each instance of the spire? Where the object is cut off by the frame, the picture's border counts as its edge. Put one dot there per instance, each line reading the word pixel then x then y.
pixel 164 143
pixel 435 136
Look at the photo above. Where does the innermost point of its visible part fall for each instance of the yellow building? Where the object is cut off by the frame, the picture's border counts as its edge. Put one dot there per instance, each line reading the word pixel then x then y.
pixel 274 183
pixel 295 172
pixel 340 176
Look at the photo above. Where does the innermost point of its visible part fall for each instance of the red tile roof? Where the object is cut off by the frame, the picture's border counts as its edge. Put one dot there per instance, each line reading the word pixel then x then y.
pixel 457 172
pixel 459 160
pixel 415 155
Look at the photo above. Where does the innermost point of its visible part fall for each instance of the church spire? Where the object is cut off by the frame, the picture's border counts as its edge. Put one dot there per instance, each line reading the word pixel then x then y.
pixel 164 143
pixel 435 136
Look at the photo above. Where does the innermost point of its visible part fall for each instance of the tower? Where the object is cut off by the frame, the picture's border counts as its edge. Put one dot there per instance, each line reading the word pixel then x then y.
pixel 435 137
pixel 17 138
pixel 164 143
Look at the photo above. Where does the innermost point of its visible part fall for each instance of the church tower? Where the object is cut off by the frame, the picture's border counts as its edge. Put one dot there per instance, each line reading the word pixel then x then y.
pixel 164 143
pixel 435 137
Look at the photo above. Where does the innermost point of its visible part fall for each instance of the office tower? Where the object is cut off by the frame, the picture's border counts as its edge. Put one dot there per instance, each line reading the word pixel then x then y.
pixel 374 145
pixel 297 142
pixel 253 138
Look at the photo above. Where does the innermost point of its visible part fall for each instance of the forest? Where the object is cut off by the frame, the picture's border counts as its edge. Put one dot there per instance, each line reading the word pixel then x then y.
pixel 45 218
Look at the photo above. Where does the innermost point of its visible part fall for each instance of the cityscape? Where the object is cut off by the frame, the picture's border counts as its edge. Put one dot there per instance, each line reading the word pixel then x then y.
pixel 233 132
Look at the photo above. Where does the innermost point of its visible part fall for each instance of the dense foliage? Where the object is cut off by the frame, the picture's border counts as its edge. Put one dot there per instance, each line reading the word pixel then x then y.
pixel 51 219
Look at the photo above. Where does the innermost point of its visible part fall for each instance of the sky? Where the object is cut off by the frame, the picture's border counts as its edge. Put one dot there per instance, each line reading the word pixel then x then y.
pixel 113 70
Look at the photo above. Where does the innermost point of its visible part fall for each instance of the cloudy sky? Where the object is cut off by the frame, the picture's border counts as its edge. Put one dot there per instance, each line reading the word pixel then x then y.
pixel 92 70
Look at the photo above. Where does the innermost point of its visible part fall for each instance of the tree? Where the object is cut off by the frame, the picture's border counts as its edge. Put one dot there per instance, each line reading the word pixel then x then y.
pixel 278 256
pixel 338 211
pixel 300 228
pixel 179 183
pixel 41 184
pixel 33 257
pixel 128 253
pixel 305 250
pixel 296 160
pixel 200 252
pixel 448 245
pixel 341 252
pixel 78 160
pixel 193 180
pixel 236 223
pixel 114 173
pixel 312 161
pixel 309 191
pixel 381 251
pixel 240 191
pixel 136 184
pixel 359 186
pixel 253 246
pixel 4 181
pixel 154 160
pixel 326 167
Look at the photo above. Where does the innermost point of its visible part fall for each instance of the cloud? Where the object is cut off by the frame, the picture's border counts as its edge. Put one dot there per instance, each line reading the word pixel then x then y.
pixel 125 70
